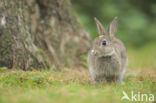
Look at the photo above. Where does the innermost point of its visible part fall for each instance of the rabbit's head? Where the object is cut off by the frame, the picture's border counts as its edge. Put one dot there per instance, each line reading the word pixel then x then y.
pixel 102 45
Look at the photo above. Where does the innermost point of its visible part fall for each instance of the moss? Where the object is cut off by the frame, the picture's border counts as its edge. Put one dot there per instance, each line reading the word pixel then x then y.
pixel 5 46
pixel 44 57
pixel 3 68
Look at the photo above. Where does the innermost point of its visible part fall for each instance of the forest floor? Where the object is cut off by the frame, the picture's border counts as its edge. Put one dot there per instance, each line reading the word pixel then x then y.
pixel 74 85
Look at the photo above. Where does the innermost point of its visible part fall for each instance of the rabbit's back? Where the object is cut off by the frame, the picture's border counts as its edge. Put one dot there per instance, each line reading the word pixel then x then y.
pixel 121 52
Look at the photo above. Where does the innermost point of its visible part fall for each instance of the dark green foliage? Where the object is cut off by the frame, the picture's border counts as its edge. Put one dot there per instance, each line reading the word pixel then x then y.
pixel 137 18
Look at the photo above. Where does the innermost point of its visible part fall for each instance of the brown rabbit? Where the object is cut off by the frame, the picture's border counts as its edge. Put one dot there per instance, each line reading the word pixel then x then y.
pixel 107 59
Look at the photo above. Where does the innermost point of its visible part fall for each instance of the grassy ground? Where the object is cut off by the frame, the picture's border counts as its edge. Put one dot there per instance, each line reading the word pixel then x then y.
pixel 74 85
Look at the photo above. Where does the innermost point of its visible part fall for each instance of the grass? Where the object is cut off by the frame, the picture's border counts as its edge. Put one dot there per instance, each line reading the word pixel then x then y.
pixel 73 85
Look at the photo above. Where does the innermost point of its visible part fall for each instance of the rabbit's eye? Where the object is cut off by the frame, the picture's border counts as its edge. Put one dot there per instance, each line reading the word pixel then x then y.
pixel 104 42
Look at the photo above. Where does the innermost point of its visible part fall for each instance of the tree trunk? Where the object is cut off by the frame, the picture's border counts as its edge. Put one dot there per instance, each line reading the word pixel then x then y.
pixel 40 34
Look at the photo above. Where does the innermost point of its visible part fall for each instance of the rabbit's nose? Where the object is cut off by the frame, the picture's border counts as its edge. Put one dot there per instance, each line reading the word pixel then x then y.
pixel 93 52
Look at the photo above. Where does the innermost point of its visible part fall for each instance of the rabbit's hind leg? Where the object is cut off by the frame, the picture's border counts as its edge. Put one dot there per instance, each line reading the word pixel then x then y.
pixel 120 78
pixel 123 72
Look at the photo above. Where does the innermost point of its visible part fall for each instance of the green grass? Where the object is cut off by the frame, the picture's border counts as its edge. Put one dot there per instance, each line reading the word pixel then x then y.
pixel 73 85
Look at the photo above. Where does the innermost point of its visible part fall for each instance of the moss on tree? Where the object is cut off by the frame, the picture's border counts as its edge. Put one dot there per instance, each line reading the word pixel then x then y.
pixel 40 33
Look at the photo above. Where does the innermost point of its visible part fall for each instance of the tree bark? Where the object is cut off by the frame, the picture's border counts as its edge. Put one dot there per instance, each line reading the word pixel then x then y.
pixel 39 34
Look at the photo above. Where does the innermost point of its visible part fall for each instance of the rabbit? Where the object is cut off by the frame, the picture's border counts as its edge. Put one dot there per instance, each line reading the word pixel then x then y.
pixel 107 59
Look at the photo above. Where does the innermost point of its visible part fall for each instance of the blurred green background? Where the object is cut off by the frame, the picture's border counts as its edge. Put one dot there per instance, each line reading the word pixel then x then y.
pixel 137 18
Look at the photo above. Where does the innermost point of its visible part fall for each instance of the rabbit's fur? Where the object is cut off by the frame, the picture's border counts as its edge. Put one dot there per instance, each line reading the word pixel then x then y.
pixel 107 59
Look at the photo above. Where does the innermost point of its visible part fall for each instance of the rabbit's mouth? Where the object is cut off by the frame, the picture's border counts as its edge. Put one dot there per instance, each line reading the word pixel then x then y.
pixel 94 53
pixel 108 54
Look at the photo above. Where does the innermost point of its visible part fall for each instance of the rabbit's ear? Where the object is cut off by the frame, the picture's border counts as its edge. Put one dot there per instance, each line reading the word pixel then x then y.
pixel 100 28
pixel 112 28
